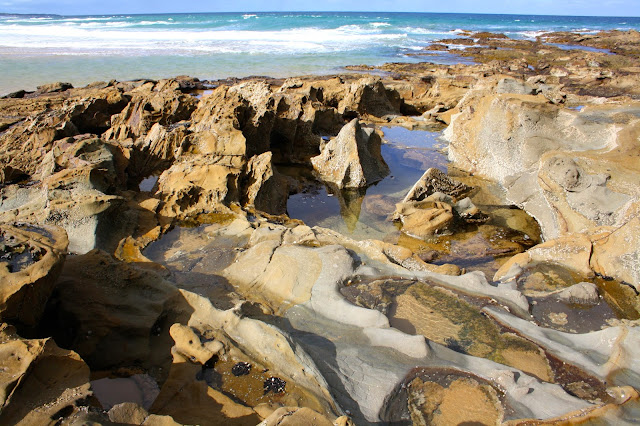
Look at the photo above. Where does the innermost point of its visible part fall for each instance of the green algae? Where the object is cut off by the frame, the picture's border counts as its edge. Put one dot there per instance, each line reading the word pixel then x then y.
pixel 207 219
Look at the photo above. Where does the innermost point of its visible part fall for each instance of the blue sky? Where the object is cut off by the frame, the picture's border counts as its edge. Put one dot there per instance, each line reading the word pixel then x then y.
pixel 537 7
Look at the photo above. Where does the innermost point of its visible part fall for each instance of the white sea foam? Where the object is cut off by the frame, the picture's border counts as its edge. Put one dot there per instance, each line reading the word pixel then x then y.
pixel 380 24
pixel 532 34
pixel 118 38
pixel 249 16
pixel 424 31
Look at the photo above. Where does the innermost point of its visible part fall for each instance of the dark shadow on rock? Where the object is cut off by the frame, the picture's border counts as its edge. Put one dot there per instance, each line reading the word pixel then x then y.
pixel 114 314
pixel 324 354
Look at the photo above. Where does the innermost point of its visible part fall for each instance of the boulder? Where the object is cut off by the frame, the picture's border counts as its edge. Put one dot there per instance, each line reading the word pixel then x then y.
pixel 352 159
pixel 432 181
pixel 199 185
pixel 79 176
pixel 109 312
pixel 40 382
pixel 31 258
pixel 263 187
pixel 425 218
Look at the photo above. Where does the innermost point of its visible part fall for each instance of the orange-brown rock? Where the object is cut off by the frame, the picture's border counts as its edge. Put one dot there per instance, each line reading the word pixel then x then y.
pixel 31 258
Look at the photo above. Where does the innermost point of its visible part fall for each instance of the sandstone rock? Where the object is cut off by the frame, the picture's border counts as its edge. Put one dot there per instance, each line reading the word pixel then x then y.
pixel 293 416
pixel 264 187
pixel 198 185
pixel 580 194
pixel 54 87
pixel 81 163
pixel 604 353
pixel 189 346
pixel 40 382
pixel 79 177
pixel 425 218
pixel 616 254
pixel 150 104
pixel 157 150
pixel 370 96
pixel 572 252
pixel 131 413
pixel 109 311
pixel 432 404
pixel 43 121
pixel 274 273
pixel 128 413
pixel 31 259
pixel 568 170
pixel 352 159
pixel 191 401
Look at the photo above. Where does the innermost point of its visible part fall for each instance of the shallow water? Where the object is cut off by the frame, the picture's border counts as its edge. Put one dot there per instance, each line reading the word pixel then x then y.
pixel 363 214
pixel 578 47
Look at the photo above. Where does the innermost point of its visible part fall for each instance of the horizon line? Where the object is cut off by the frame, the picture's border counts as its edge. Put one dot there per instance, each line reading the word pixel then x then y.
pixel 309 11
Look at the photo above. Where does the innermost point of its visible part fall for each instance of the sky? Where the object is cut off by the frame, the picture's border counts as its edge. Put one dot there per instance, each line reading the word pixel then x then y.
pixel 526 7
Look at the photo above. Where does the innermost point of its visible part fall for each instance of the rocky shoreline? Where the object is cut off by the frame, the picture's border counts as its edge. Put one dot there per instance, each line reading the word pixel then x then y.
pixel 150 273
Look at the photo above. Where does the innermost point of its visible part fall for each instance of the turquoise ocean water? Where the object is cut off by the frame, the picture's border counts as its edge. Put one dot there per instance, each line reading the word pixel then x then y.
pixel 81 49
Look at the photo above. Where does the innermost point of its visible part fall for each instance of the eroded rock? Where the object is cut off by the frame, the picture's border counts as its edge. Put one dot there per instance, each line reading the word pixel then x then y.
pixel 31 258
pixel 352 159
pixel 40 382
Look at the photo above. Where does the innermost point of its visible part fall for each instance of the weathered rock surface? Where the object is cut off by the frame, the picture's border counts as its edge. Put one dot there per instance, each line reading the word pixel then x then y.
pixel 434 181
pixel 571 170
pixel 31 259
pixel 40 382
pixel 436 214
pixel 42 121
pixel 352 159
pixel 76 191
pixel 107 311
pixel 425 218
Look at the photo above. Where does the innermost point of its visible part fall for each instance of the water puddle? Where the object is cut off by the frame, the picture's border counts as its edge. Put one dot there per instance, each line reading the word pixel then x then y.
pixel 365 214
pixel 199 94
pixel 575 310
pixel 254 384
pixel 578 47
pixel 433 396
pixel 148 184
pixel 139 388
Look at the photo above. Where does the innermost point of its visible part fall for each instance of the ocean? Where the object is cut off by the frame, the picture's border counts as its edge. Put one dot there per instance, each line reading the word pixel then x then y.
pixel 38 49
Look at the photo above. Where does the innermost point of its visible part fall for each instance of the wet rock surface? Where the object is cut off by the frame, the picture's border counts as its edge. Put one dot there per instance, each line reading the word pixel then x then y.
pixel 193 294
